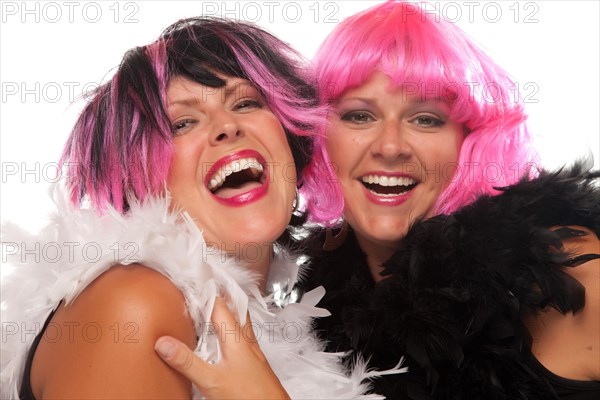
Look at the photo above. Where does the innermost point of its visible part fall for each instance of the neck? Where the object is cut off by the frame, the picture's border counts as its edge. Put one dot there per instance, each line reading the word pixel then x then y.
pixel 257 259
pixel 377 254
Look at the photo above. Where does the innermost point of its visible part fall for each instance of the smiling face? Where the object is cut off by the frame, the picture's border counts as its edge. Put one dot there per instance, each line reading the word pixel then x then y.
pixel 232 168
pixel 393 155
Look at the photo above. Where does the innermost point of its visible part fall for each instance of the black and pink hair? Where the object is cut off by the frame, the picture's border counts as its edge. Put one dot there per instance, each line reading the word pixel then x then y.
pixel 121 145
pixel 430 57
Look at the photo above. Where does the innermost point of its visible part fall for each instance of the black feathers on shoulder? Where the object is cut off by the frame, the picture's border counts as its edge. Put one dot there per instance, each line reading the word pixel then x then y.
pixel 459 285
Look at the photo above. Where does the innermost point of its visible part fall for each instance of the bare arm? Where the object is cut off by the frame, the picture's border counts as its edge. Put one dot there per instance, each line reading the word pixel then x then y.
pixel 102 345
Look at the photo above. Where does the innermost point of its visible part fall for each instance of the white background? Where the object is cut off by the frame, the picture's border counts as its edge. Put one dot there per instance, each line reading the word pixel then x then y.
pixel 50 51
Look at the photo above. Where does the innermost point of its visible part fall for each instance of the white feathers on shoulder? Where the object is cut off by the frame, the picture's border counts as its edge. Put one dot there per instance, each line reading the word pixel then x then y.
pixel 78 245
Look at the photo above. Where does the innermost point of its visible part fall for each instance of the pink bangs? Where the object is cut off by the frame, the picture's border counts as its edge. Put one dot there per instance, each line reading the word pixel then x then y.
pixel 433 60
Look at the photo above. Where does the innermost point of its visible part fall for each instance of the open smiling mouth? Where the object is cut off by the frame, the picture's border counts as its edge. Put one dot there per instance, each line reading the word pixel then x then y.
pixel 239 178
pixel 388 186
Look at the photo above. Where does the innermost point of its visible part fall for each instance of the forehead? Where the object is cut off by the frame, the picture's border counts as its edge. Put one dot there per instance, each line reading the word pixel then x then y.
pixel 376 82
pixel 379 85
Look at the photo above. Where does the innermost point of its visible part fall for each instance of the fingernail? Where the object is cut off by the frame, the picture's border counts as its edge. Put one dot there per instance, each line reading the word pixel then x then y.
pixel 164 347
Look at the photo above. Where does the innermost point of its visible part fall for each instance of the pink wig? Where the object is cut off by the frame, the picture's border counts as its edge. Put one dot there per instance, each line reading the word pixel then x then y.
pixel 121 146
pixel 434 59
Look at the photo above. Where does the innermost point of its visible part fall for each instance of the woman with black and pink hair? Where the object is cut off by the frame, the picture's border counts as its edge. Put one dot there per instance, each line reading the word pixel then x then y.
pixel 452 249
pixel 182 182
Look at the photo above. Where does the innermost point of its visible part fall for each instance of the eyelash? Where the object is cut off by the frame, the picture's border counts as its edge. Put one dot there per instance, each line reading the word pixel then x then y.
pixel 352 115
pixel 177 130
pixel 177 127
pixel 435 121
pixel 251 102
pixel 366 117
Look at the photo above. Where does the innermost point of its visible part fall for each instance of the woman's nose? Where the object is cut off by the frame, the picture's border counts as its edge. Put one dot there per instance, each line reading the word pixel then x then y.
pixel 225 129
pixel 392 142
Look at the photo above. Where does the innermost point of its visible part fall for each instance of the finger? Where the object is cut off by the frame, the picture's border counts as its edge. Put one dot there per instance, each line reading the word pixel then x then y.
pixel 248 330
pixel 250 337
pixel 179 357
pixel 226 326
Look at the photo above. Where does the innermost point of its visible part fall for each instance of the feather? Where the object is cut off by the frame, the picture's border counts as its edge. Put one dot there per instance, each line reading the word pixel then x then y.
pixel 457 288
pixel 170 243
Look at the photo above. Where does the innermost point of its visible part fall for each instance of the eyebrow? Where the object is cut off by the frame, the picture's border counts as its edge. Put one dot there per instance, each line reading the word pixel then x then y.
pixel 230 89
pixel 194 100
pixel 186 101
pixel 414 100
pixel 363 99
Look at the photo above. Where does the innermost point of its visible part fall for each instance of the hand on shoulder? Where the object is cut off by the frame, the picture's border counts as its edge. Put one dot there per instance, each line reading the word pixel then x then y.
pixel 243 371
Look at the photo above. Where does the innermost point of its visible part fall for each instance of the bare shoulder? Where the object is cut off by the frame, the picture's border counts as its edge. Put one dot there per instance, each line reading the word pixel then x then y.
pixel 568 344
pixel 102 345
pixel 588 274
pixel 588 244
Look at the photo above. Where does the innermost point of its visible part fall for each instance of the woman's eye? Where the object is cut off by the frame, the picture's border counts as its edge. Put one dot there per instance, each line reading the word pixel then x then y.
pixel 182 126
pixel 247 104
pixel 357 117
pixel 427 121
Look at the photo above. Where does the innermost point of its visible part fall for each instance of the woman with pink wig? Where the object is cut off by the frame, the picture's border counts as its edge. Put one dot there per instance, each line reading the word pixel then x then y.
pixel 182 183
pixel 457 253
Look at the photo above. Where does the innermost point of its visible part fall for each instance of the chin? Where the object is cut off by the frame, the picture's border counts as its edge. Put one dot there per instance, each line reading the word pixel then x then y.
pixel 391 234
pixel 260 230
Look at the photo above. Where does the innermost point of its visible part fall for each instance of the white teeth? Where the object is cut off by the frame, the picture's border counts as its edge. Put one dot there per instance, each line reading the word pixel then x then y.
pixel 384 194
pixel 388 180
pixel 235 166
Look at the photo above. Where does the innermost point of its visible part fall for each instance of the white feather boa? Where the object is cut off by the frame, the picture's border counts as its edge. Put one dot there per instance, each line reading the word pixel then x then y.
pixel 79 245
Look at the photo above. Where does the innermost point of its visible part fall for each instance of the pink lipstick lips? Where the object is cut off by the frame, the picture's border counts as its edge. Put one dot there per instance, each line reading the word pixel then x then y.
pixel 238 179
pixel 387 189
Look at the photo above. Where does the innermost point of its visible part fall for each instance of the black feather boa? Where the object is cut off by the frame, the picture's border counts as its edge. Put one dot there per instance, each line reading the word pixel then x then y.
pixel 457 290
